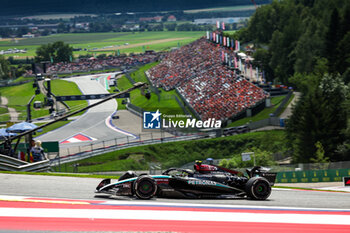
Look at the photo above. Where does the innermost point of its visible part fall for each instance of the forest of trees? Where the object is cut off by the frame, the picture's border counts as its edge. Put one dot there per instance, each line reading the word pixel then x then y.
pixel 306 43
pixel 298 33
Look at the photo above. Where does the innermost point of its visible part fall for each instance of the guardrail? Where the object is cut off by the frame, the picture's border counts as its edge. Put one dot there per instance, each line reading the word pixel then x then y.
pixel 8 163
pixel 10 160
pixel 282 105
pixel 271 121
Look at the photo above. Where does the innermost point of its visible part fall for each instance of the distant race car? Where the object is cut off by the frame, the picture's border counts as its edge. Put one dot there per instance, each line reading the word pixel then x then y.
pixel 206 181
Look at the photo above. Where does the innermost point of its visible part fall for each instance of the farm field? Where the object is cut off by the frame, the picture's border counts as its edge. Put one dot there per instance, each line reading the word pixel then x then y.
pixel 98 43
pixel 222 9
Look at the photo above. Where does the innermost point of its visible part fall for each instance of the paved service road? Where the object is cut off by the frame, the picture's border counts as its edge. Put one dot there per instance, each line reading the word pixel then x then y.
pixel 83 188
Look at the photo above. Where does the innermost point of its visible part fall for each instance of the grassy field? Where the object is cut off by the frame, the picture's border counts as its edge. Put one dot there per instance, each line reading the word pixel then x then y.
pixel 3 110
pixel 62 87
pixel 4 116
pixel 18 98
pixel 97 41
pixel 174 154
pixel 222 9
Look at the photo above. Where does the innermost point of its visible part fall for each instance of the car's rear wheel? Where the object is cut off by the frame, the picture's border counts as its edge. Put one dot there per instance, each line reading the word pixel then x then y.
pixel 258 188
pixel 145 187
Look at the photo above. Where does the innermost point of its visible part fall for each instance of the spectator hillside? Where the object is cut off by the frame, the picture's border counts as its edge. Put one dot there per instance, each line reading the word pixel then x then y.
pixel 210 87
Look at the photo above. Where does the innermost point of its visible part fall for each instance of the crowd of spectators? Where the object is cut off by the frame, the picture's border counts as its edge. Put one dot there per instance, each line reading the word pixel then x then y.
pixel 92 63
pixel 209 86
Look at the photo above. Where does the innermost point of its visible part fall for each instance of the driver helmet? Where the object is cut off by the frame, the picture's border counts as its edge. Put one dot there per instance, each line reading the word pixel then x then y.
pixel 197 165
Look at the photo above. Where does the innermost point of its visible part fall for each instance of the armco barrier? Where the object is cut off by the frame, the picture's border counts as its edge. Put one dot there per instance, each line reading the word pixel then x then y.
pixel 12 164
pixel 310 176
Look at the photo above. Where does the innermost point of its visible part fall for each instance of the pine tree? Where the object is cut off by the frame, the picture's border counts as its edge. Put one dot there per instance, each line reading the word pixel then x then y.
pixel 318 117
pixel 332 40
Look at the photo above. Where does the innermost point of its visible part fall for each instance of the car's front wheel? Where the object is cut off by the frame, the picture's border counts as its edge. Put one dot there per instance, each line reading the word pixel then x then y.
pixel 258 188
pixel 145 187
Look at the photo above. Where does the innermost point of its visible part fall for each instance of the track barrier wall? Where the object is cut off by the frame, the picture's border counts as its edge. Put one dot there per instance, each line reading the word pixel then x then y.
pixel 310 176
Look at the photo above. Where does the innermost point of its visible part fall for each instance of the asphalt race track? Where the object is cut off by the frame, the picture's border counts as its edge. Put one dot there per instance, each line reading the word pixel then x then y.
pixel 93 122
pixel 53 204
pixel 83 188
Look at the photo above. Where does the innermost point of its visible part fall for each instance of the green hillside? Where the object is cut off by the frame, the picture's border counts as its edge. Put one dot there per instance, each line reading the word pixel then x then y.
pixel 174 154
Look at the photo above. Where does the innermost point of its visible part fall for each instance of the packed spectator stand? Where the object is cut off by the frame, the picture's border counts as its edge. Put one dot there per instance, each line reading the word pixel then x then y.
pixel 212 89
pixel 202 73
pixel 92 63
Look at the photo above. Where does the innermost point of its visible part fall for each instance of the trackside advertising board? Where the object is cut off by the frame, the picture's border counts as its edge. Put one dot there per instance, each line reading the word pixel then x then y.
pixel 310 176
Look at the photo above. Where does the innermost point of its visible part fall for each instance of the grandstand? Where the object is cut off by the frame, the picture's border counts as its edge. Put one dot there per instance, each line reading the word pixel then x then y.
pixel 87 64
pixel 207 74
pixel 198 72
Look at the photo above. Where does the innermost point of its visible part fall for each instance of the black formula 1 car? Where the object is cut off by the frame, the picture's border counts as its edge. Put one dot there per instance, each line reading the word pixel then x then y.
pixel 206 181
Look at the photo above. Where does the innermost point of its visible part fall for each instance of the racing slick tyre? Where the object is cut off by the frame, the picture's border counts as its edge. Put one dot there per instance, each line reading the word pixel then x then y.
pixel 258 188
pixel 145 187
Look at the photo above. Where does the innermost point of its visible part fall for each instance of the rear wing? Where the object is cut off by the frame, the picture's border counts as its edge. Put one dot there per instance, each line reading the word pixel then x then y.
pixel 270 176
pixel 263 172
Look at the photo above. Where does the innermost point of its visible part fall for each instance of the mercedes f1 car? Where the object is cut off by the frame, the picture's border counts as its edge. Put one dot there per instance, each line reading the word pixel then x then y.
pixel 206 181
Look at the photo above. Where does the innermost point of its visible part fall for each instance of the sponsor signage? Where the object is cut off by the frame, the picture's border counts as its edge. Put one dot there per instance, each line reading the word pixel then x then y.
pixel 201 182
pixel 330 175
pixel 88 97
pixel 346 181
pixel 246 156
